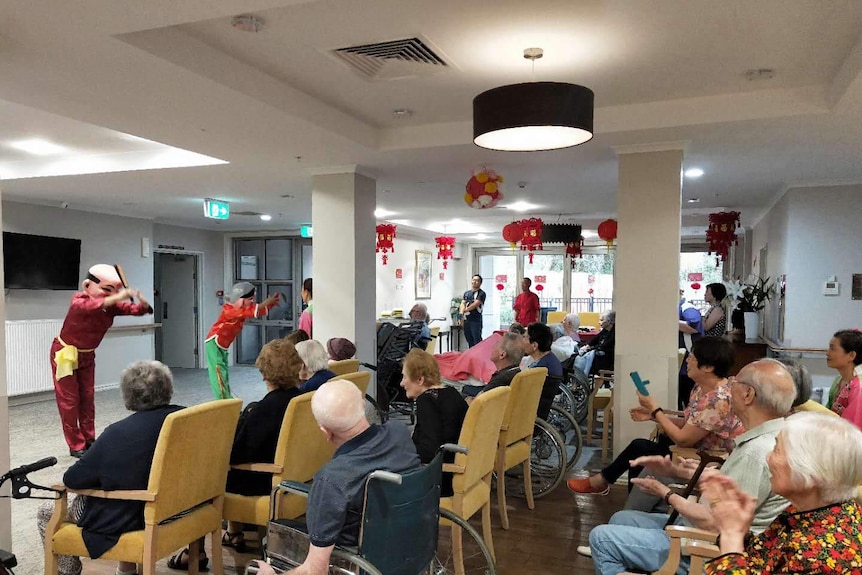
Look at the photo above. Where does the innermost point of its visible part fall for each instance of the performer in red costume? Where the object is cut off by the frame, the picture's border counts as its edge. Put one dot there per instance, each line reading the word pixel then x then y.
pixel 73 353
pixel 240 307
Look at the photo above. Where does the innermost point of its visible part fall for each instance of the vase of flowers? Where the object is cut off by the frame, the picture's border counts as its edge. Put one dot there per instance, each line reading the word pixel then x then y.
pixel 751 298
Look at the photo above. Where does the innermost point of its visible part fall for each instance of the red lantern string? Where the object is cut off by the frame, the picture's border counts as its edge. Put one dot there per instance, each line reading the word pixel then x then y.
pixel 721 234
pixel 531 235
pixel 385 240
pixel 445 246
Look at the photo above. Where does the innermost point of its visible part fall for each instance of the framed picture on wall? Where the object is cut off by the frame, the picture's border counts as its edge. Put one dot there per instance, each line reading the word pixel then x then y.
pixel 423 274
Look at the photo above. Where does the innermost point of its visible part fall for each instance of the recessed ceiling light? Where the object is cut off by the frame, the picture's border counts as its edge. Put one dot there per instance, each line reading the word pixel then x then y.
pixel 247 23
pixel 693 201
pixel 402 113
pixel 693 173
pixel 520 206
pixel 265 217
pixel 38 146
pixel 383 212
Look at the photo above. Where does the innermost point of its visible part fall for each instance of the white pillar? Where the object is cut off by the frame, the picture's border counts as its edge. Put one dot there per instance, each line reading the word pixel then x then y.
pixel 646 289
pixel 342 214
pixel 5 507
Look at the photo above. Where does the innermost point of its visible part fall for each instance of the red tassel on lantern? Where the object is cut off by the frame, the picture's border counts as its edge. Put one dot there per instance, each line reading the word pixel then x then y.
pixel 445 245
pixel 531 235
pixel 575 249
pixel 722 233
pixel 385 240
pixel 608 232
pixel 512 233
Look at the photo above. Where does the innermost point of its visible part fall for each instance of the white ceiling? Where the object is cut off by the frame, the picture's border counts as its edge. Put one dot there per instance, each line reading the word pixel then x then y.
pixel 278 107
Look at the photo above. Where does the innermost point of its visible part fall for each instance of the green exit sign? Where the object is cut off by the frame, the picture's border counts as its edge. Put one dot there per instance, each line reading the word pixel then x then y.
pixel 306 231
pixel 216 209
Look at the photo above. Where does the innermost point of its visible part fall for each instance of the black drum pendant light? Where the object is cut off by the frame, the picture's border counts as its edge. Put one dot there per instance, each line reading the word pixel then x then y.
pixel 533 116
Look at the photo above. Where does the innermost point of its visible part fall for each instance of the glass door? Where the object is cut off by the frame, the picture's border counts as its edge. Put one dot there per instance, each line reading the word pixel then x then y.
pixel 500 279
pixel 549 281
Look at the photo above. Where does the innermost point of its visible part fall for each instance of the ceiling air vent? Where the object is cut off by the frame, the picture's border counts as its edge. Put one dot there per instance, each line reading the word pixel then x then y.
pixel 394 59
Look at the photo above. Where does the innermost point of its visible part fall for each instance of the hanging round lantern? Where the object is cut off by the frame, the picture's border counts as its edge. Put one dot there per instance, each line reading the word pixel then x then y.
pixel 608 232
pixel 695 286
pixel 500 287
pixel 512 233
pixel 540 287
pixel 531 235
pixel 385 240
pixel 445 246
pixel 483 189
pixel 721 234
pixel 590 291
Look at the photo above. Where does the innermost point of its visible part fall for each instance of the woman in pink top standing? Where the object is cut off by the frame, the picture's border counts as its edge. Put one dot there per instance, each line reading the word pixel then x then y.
pixel 305 319
pixel 845 356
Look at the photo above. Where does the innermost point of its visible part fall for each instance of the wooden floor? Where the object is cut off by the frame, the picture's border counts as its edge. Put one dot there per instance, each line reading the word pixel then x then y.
pixel 542 541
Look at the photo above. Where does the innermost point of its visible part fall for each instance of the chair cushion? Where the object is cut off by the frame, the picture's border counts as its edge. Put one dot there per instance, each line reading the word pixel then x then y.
pixel 474 499
pixel 517 453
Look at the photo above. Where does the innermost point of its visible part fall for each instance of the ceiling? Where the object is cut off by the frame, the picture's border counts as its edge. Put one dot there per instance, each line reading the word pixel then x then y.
pixel 255 114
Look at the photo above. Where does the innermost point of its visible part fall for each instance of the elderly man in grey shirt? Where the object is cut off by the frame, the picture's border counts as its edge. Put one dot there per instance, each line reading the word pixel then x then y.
pixel 761 395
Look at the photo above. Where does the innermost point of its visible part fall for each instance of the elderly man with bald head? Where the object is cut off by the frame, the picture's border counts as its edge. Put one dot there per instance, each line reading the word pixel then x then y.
pixel 335 499
pixel 761 396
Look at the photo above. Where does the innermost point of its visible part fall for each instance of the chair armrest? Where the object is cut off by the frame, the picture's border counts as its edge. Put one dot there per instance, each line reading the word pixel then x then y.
pixel 452 468
pixel 127 494
pixel 262 467
pixel 701 549
pixel 680 531
pixel 295 487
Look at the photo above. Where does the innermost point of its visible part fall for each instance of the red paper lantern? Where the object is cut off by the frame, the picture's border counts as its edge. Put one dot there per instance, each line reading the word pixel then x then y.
pixel 540 287
pixel 512 233
pixel 385 240
pixel 722 233
pixel 590 291
pixel 445 245
pixel 500 287
pixel 531 235
pixel 575 249
pixel 483 189
pixel 695 286
pixel 608 232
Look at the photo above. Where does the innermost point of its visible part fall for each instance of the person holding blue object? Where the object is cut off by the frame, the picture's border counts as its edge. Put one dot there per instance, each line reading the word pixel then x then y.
pixel 470 311
pixel 690 330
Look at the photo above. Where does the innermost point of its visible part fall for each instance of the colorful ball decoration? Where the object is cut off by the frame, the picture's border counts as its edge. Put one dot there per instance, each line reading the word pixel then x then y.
pixel 483 189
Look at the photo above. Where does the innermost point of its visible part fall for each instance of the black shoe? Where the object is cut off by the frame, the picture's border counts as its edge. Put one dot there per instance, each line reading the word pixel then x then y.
pixel 77 453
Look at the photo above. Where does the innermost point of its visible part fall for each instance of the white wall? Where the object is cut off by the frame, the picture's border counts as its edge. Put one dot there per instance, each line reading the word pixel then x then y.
pixel 401 293
pixel 104 239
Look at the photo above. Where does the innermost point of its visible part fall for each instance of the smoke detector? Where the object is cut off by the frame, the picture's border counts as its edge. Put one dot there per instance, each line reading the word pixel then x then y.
pixel 756 74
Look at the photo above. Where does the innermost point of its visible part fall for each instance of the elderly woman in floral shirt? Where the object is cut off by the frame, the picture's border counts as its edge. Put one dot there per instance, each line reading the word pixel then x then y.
pixel 817 465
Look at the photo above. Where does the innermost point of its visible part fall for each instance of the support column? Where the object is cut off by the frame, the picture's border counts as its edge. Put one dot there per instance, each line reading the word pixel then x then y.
pixel 342 214
pixel 5 506
pixel 646 285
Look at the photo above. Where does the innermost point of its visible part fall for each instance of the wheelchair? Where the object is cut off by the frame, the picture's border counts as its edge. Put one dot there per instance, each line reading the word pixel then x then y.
pixel 574 393
pixel 400 530
pixel 548 460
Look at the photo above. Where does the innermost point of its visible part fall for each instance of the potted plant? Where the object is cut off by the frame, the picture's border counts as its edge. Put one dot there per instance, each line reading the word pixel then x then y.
pixel 454 306
pixel 750 299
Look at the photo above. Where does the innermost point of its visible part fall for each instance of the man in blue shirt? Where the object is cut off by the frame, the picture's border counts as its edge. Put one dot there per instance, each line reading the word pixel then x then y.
pixel 471 311
pixel 690 330
pixel 539 339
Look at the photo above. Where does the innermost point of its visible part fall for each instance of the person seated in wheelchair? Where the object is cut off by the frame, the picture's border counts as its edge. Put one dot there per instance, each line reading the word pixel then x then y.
pixel 537 346
pixel 335 500
pixel 602 345
pixel 419 314
pixel 440 410
pixel 506 355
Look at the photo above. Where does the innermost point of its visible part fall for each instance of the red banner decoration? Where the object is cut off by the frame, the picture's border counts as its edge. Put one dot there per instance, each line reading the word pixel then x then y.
pixel 483 189
pixel 608 232
pixel 531 235
pixel 513 233
pixel 721 234
pixel 445 245
pixel 385 240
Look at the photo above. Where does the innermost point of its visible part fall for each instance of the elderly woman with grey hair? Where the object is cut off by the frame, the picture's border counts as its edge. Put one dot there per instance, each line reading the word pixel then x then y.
pixel 120 458
pixel 817 465
pixel 566 338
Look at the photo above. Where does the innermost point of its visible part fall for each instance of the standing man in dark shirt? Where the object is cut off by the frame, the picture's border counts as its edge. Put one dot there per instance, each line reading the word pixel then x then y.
pixel 471 311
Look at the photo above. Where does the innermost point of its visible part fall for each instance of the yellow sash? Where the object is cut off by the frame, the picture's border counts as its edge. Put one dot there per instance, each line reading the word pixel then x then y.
pixel 66 359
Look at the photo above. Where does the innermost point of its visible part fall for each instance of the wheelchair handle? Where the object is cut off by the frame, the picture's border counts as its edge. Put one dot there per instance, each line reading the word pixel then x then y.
pixel 452 448
pixel 387 476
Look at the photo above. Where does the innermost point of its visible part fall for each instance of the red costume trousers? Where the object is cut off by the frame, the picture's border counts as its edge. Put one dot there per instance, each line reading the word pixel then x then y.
pixel 76 399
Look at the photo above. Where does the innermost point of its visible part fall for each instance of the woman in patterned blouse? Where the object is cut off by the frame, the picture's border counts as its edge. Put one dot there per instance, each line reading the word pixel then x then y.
pixel 817 465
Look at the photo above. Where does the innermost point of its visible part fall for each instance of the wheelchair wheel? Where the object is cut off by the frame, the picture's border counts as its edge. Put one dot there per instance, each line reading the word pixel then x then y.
pixel 547 463
pixel 579 385
pixel 373 413
pixel 569 430
pixel 345 563
pixel 565 399
pixel 477 558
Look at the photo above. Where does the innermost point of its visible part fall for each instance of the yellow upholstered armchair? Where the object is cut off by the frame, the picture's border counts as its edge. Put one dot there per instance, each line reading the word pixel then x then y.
pixel 344 366
pixel 471 480
pixel 516 434
pixel 301 451
pixel 184 477
pixel 360 379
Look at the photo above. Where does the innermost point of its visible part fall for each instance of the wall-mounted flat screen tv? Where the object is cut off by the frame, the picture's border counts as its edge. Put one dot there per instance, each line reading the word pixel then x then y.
pixel 41 262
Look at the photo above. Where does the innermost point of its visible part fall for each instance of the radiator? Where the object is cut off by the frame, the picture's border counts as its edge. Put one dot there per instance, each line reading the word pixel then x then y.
pixel 28 349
